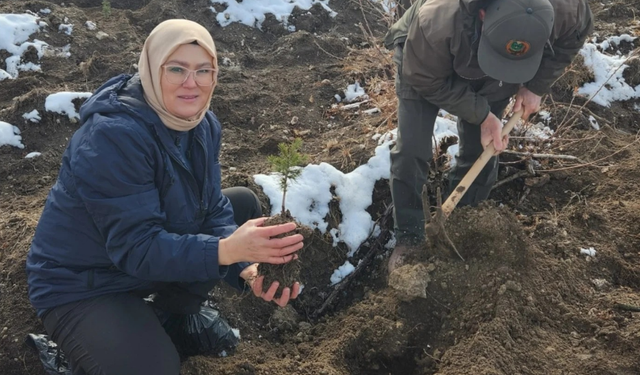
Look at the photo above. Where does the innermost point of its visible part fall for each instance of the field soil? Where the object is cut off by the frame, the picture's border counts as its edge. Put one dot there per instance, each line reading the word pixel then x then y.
pixel 524 300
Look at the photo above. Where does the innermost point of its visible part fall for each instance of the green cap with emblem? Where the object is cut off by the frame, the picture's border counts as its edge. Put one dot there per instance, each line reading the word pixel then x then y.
pixel 514 34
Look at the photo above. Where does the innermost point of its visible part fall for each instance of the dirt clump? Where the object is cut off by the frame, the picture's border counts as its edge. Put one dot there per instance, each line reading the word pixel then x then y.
pixel 288 273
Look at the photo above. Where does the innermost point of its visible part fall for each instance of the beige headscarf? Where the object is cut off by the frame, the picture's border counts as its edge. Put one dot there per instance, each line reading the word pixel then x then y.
pixel 160 44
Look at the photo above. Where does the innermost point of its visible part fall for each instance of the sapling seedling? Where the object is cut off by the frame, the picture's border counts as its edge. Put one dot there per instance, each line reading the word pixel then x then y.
pixel 106 8
pixel 287 163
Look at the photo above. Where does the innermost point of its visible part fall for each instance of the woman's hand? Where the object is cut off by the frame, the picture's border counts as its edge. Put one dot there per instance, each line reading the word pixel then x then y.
pixel 254 243
pixel 250 274
pixel 528 101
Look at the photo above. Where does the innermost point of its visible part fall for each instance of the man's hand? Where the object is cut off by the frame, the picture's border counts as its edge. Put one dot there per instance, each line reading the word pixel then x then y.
pixel 491 131
pixel 527 101
pixel 250 274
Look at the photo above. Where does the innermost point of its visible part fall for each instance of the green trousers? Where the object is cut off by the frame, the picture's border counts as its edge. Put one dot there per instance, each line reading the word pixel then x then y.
pixel 412 152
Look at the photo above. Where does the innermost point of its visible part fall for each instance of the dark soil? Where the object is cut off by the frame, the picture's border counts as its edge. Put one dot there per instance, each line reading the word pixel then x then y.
pixel 288 273
pixel 524 301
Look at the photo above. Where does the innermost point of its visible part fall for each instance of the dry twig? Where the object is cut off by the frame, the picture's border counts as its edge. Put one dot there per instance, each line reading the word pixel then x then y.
pixel 514 176
pixel 593 163
pixel 542 156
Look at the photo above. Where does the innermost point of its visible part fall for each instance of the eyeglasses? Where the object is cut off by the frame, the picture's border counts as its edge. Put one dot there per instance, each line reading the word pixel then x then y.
pixel 177 75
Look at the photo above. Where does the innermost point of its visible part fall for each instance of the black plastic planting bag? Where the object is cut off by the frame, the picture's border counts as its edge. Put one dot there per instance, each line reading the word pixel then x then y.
pixel 50 355
pixel 205 332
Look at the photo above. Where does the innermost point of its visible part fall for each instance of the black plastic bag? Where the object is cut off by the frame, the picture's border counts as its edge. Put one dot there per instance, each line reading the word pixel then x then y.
pixel 203 333
pixel 50 355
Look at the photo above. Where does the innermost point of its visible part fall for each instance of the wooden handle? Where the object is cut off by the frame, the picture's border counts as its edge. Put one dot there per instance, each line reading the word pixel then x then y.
pixel 463 186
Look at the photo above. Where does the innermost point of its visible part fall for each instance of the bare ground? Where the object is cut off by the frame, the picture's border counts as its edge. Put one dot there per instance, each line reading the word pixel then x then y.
pixel 524 301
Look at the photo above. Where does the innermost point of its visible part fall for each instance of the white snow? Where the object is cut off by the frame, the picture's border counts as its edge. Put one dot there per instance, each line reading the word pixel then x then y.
pixel 590 251
pixel 61 103
pixel 66 28
pixel 354 92
pixel 392 242
pixel 10 135
pixel 594 123
pixel 45 11
pixel 33 116
pixel 389 6
pixel 544 116
pixel 342 272
pixel 609 84
pixel 15 31
pixel 537 130
pixel 309 195
pixel 616 40
pixel 253 12
pixel 32 155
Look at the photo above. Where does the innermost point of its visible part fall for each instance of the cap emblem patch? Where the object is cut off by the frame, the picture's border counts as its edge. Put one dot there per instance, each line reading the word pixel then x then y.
pixel 517 47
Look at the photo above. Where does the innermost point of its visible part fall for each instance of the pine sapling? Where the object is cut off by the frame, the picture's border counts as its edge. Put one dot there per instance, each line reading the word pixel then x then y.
pixel 287 164
pixel 106 8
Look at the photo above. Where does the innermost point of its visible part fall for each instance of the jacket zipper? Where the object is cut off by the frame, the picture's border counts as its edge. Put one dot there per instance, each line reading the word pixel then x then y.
pixel 193 182
pixel 204 180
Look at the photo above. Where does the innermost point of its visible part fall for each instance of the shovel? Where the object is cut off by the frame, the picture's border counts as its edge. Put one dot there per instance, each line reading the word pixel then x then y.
pixel 411 280
pixel 456 195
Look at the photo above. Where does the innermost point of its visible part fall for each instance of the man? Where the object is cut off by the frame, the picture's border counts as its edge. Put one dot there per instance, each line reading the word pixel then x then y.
pixel 469 57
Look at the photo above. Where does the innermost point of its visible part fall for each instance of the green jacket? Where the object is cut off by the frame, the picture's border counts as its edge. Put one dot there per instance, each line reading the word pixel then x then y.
pixel 440 52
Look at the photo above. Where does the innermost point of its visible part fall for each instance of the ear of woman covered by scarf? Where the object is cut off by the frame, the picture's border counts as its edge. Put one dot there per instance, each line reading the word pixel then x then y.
pixel 160 44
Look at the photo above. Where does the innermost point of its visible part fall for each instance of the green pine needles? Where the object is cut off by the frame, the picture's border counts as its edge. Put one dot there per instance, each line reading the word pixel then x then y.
pixel 287 163
pixel 106 8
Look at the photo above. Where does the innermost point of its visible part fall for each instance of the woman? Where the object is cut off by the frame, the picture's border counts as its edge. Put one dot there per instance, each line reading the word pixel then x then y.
pixel 138 209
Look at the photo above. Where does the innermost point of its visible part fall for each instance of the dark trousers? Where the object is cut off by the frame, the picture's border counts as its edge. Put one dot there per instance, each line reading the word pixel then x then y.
pixel 412 153
pixel 119 334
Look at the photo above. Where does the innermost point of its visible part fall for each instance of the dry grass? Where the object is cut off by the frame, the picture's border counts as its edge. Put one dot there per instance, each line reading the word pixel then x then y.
pixel 17 226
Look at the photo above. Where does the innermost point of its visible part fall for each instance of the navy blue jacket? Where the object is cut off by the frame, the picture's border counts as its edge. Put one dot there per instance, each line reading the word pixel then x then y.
pixel 126 213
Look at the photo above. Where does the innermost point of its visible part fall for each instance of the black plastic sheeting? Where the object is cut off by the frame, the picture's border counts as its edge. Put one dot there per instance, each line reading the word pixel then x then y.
pixel 203 333
pixel 50 355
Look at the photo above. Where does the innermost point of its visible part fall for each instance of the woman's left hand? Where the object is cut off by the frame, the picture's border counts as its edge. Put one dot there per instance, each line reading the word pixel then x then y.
pixel 250 274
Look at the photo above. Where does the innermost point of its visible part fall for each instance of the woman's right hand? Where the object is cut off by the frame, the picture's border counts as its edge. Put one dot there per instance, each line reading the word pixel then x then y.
pixel 254 243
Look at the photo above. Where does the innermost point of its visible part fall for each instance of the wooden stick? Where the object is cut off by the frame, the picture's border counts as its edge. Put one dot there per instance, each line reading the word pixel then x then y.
pixel 475 170
pixel 542 156
pixel 354 105
pixel 511 178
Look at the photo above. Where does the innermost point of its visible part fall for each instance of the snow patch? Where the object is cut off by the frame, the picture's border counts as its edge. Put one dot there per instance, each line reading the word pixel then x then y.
pixel 62 103
pixel 10 135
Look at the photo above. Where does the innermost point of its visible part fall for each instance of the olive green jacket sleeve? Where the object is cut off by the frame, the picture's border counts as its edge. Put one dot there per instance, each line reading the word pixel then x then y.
pixel 573 24
pixel 428 66
pixel 398 32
